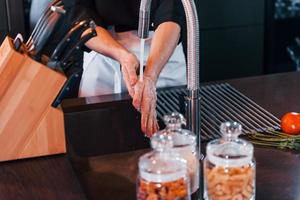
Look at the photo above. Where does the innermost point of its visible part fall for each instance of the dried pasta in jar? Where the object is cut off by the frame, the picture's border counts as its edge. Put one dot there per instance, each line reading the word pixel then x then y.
pixel 229 166
pixel 163 173
pixel 229 183
pixel 163 191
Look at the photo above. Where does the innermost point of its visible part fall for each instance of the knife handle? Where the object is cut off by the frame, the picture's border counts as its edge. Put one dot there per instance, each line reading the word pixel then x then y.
pixel 18 41
pixel 79 27
pixel 67 88
pixel 78 46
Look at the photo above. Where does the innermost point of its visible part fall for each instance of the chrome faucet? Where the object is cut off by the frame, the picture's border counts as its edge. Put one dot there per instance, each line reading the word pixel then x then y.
pixel 193 80
pixel 144 19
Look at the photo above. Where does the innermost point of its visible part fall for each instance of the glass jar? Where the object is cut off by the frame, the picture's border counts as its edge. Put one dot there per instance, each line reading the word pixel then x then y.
pixel 229 167
pixel 162 172
pixel 184 143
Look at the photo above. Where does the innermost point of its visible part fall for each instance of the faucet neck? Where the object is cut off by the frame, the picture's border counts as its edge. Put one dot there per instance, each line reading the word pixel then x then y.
pixel 193 79
pixel 144 19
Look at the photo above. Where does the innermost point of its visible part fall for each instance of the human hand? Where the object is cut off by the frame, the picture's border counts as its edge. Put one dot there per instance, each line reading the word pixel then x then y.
pixel 144 100
pixel 129 65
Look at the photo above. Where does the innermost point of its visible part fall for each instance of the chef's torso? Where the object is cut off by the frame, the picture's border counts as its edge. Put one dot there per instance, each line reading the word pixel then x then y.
pixel 102 75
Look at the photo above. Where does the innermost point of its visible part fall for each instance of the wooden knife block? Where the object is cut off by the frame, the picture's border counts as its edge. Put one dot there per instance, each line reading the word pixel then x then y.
pixel 29 126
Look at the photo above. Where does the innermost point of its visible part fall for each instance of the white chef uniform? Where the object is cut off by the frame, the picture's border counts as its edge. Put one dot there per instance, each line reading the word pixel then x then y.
pixel 102 75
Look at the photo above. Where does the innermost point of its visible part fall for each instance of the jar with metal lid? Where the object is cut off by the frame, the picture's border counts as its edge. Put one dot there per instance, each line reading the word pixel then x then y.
pixel 162 172
pixel 229 166
pixel 184 143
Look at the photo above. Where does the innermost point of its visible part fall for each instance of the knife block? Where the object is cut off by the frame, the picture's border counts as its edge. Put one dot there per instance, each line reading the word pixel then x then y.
pixel 29 125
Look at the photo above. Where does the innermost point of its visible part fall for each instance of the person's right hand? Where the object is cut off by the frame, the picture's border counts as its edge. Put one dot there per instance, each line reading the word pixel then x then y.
pixel 144 100
pixel 129 65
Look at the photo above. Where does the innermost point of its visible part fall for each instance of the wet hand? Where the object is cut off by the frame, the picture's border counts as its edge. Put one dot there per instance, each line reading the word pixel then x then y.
pixel 129 65
pixel 144 100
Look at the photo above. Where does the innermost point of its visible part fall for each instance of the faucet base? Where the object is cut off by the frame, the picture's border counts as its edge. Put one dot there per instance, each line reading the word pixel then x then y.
pixel 192 111
pixel 193 114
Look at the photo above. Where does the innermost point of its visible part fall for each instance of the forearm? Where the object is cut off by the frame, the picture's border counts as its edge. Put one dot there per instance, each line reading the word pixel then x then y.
pixel 163 43
pixel 106 45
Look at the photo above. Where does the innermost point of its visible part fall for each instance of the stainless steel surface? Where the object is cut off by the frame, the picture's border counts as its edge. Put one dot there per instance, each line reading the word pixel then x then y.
pixel 45 29
pixel 144 19
pixel 192 37
pixel 58 9
pixel 192 45
pixel 38 29
pixel 193 78
pixel 41 21
pixel 46 32
pixel 193 114
pixel 193 105
pixel 220 103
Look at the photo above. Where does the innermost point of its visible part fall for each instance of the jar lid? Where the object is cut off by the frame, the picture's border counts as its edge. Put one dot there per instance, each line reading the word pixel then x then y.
pixel 230 151
pixel 181 137
pixel 174 120
pixel 162 164
pixel 161 142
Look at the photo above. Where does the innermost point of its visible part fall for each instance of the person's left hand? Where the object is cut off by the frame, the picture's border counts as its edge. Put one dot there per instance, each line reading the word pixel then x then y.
pixel 144 100
pixel 129 65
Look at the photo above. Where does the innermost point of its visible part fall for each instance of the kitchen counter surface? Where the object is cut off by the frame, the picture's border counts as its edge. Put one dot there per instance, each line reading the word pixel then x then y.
pixel 113 176
pixel 39 178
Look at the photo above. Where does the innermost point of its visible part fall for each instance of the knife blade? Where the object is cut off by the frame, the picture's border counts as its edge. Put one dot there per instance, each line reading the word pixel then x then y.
pixel 45 19
pixel 49 22
pixel 41 20
pixel 43 36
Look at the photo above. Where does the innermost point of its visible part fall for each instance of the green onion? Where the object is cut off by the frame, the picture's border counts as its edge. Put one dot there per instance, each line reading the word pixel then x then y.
pixel 275 139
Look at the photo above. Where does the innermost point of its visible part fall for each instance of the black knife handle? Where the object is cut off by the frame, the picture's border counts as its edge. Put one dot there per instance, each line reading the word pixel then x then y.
pixel 18 41
pixel 67 88
pixel 78 28
pixel 77 47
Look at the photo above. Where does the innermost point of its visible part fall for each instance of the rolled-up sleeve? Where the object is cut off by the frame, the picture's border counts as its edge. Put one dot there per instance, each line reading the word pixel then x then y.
pixel 169 10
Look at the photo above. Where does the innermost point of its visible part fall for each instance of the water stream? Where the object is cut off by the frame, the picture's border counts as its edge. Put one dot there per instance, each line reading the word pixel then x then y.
pixel 142 49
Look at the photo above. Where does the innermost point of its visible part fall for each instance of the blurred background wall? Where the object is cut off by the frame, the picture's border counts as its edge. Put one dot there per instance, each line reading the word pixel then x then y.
pixel 238 37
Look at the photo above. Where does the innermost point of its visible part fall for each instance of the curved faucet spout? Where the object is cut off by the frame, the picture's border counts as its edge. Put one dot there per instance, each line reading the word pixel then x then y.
pixel 193 65
pixel 192 44
pixel 193 79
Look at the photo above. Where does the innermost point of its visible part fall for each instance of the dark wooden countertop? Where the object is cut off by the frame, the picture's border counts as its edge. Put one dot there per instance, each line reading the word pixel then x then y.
pixel 39 178
pixel 113 176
